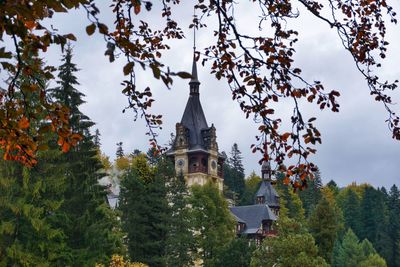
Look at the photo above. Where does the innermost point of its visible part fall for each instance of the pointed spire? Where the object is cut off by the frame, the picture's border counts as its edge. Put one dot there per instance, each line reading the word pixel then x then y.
pixel 194 71
pixel 194 82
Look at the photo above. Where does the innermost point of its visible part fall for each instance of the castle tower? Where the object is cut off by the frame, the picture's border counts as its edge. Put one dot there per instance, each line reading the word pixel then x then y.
pixel 195 149
pixel 266 193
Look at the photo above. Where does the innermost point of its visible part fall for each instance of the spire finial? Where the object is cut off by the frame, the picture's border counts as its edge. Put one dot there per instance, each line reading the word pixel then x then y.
pixel 194 29
pixel 194 82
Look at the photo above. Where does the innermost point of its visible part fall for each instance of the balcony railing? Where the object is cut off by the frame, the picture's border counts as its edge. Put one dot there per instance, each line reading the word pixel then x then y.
pixel 270 233
pixel 202 169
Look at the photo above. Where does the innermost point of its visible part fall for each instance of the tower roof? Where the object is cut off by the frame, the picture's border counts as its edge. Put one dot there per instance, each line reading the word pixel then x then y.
pixel 193 117
pixel 269 193
pixel 253 216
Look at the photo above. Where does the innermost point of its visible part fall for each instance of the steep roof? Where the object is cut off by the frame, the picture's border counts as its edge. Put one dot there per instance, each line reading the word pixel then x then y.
pixel 193 117
pixel 266 190
pixel 253 215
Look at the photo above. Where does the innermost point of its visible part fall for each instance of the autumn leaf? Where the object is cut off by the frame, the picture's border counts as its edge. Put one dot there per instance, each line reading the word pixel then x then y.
pixel 137 8
pixel 90 29
pixel 30 25
pixel 23 123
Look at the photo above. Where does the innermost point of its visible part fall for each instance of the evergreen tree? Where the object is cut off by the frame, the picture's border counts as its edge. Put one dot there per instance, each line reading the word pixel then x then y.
pixel 375 220
pixel 292 247
pixel 213 223
pixel 29 197
pixel 96 139
pixel 237 253
pixel 290 202
pixel 252 184
pixel 89 225
pixel 144 209
pixel 333 187
pixel 324 224
pixel 352 253
pixel 234 173
pixel 350 205
pixel 28 200
pixel 179 247
pixel 394 226
pixel 120 150
pixel 311 195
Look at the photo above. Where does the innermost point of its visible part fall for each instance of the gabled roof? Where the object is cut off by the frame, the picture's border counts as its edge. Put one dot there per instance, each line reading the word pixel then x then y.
pixel 269 193
pixel 253 215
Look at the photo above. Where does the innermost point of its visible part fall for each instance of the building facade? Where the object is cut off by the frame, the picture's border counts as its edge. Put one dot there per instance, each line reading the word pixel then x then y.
pixel 195 148
pixel 257 221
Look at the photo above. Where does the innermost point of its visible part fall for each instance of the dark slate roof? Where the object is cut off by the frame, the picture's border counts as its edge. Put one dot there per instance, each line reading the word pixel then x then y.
pixel 269 193
pixel 194 120
pixel 193 117
pixel 253 215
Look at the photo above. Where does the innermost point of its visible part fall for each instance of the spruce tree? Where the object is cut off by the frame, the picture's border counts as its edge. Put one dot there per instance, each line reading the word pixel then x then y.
pixel 213 223
pixel 96 139
pixel 311 195
pixel 234 174
pixel 144 212
pixel 120 150
pixel 352 253
pixel 28 200
pixel 180 246
pixel 89 225
pixel 394 226
pixel 350 205
pixel 375 220
pixel 29 197
pixel 324 224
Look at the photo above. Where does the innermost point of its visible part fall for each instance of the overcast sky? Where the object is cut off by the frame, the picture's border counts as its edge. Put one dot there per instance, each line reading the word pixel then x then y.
pixel 356 146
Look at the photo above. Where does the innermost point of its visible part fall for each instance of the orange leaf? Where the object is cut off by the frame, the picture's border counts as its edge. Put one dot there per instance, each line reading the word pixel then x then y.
pixel 137 9
pixel 65 147
pixel 23 123
pixel 30 24
pixel 286 181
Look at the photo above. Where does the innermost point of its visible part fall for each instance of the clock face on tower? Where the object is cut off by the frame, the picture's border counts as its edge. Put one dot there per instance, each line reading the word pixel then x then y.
pixel 213 164
pixel 180 163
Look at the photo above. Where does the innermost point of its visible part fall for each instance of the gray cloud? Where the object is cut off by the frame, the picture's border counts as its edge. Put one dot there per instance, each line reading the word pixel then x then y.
pixel 356 143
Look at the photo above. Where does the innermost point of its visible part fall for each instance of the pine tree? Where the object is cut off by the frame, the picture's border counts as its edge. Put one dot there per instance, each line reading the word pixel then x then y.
pixel 212 221
pixel 394 226
pixel 290 202
pixel 375 220
pixel 234 173
pixel 333 186
pixel 352 253
pixel 120 150
pixel 237 253
pixel 29 197
pixel 96 139
pixel 350 205
pixel 324 224
pixel 89 225
pixel 311 195
pixel 28 200
pixel 180 247
pixel 144 212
